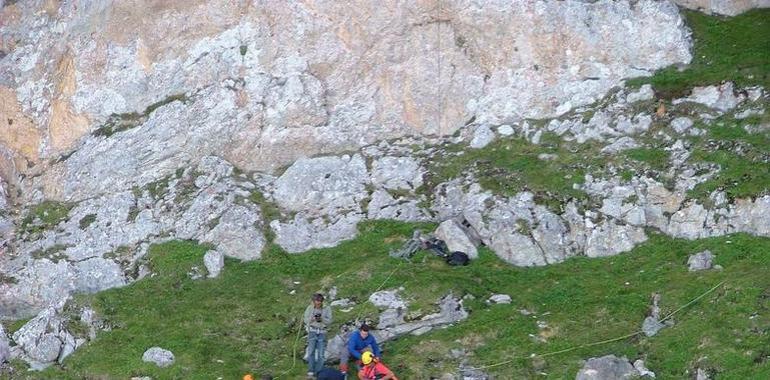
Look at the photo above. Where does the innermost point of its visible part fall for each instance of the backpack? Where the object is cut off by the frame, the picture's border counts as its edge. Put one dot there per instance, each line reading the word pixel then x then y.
pixel 457 258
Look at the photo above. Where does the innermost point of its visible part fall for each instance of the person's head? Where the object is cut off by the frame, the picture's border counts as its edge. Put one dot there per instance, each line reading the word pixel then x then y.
pixel 364 330
pixel 367 357
pixel 318 299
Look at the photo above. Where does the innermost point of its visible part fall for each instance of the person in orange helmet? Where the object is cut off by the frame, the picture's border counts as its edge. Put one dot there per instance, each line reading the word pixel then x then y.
pixel 374 369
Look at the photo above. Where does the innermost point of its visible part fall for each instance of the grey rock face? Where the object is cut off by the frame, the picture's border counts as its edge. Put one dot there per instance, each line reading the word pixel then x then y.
pixel 700 261
pixel 608 367
pixel 456 238
pixel 303 232
pixel 397 173
pixel 651 326
pixel 214 262
pixel 609 238
pixel 160 357
pixel 323 184
pixel 383 206
pixel 643 370
pixel 228 88
pixel 237 234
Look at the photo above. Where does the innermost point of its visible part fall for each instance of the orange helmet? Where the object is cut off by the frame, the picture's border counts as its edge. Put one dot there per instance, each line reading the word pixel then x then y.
pixel 248 377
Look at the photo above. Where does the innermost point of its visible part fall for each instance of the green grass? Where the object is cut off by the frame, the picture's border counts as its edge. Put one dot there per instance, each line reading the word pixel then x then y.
pixel 725 49
pixel 510 165
pixel 246 320
pixel 49 213
pixel 654 157
pixel 744 159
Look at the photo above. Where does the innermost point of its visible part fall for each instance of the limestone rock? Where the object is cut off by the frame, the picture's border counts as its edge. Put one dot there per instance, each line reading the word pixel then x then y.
pixel 214 262
pixel 720 97
pixel 643 93
pixel 610 238
pixel 724 7
pixel 500 299
pixel 681 124
pixel 456 238
pixel 304 233
pixel 383 206
pixel 387 299
pixel 621 144
pixel 5 349
pixel 323 184
pixel 44 340
pixel 505 130
pixel 237 234
pixel 160 357
pixel 397 173
pixel 482 136
pixel 608 367
pixel 700 261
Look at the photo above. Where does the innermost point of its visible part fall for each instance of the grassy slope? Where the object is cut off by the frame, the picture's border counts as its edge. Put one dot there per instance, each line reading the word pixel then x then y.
pixel 246 318
pixel 725 49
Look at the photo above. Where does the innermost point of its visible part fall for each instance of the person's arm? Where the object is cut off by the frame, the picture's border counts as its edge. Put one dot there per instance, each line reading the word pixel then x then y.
pixel 361 375
pixel 352 346
pixel 326 316
pixel 375 348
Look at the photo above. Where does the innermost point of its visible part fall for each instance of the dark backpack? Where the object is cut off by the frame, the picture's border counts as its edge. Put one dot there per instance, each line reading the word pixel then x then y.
pixel 457 258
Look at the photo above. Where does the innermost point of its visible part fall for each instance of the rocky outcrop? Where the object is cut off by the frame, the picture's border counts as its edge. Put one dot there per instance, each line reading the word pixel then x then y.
pixel 45 340
pixel 724 7
pixel 158 356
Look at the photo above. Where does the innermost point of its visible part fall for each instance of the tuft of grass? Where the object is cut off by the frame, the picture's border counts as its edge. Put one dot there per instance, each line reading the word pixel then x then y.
pixel 45 215
pixel 242 322
pixel 725 49
pixel 654 157
pixel 86 221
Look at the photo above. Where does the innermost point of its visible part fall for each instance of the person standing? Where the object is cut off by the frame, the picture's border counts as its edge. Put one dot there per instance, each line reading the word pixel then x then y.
pixel 317 319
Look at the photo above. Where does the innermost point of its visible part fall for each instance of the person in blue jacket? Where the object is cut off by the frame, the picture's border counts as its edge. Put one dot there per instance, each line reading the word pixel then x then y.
pixel 359 342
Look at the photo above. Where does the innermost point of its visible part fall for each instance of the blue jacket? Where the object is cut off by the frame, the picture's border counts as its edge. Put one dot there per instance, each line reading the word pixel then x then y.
pixel 356 344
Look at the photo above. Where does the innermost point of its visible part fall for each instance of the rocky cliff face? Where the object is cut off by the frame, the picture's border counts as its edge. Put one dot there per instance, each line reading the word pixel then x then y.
pixel 101 96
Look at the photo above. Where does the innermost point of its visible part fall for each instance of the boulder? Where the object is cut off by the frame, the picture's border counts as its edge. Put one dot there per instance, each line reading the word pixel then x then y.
pixel 500 299
pixel 608 367
pixel 158 356
pixel 700 261
pixel 456 238
pixel 482 136
pixel 214 262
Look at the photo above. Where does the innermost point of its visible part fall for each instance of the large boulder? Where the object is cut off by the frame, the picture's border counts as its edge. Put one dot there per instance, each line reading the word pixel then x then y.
pixel 456 238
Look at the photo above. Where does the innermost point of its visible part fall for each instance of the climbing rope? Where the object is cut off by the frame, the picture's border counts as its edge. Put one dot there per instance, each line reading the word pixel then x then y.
pixel 518 357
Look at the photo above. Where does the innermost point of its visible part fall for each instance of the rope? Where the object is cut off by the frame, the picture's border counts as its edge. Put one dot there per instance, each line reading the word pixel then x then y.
pixel 293 353
pixel 513 358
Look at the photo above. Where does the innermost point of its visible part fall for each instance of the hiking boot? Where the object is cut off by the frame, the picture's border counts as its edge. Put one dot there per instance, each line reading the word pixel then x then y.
pixel 310 375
